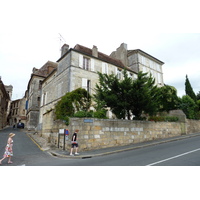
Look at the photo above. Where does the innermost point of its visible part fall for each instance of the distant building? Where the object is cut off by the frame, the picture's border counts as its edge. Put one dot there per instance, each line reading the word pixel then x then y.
pixel 138 60
pixel 4 104
pixel 17 112
pixel 33 93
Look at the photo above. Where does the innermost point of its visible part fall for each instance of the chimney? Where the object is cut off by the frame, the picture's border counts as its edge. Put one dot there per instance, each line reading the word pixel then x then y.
pixel 34 70
pixel 95 51
pixel 64 49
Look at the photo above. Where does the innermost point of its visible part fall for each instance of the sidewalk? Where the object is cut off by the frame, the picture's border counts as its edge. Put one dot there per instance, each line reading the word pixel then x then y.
pixel 44 146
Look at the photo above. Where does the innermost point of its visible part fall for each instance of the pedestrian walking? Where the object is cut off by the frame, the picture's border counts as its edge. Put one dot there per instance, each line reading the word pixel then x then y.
pixel 74 143
pixel 8 149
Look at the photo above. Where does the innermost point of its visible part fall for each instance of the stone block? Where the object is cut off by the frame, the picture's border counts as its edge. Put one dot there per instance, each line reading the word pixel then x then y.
pixel 97 128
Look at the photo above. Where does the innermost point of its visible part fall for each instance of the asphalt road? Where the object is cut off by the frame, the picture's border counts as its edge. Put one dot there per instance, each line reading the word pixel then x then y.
pixel 184 152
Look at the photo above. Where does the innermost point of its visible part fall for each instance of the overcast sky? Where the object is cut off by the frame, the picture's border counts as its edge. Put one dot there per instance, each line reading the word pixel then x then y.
pixel 30 35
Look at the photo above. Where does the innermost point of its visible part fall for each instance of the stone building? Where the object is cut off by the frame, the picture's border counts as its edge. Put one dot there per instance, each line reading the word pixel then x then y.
pixel 17 112
pixel 4 104
pixel 138 60
pixel 77 68
pixel 33 93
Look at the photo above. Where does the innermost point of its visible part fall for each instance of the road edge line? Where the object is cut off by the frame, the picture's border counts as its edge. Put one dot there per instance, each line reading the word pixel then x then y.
pixel 35 142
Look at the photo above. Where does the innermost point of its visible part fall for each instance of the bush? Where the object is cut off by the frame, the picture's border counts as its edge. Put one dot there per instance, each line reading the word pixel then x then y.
pixel 163 118
pixel 156 118
pixel 101 114
pixel 139 118
pixel 80 114
pixel 171 119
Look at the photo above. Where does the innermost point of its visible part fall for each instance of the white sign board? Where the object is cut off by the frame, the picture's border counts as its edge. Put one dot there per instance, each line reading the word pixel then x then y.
pixel 61 131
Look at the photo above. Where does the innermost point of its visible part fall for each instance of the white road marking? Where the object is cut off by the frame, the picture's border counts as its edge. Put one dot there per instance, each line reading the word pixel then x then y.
pixel 173 157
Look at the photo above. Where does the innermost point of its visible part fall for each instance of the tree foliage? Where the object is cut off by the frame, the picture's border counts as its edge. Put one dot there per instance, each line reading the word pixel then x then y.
pixel 189 107
pixel 110 92
pixel 143 96
pixel 72 102
pixel 167 98
pixel 189 90
pixel 126 97
pixel 198 95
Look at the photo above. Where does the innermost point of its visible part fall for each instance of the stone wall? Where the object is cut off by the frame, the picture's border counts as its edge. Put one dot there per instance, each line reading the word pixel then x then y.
pixel 193 126
pixel 102 133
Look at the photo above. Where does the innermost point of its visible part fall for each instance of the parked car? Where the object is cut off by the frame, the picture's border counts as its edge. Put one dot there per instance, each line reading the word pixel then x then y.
pixel 20 125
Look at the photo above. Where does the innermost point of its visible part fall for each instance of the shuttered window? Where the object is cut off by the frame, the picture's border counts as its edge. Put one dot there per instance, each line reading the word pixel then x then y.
pixel 104 68
pixel 86 63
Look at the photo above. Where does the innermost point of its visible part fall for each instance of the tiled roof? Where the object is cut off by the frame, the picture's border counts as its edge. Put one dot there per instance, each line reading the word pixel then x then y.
pixel 101 56
pixel 46 69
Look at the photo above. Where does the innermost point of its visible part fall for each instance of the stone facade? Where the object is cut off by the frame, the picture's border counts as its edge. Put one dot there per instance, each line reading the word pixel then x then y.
pixel 17 112
pixel 33 94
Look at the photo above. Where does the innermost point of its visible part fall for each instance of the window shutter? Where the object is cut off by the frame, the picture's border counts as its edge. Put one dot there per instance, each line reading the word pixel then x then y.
pixel 92 64
pixel 103 68
pixel 81 61
pixel 84 83
pixel 42 103
pixel 106 68
pixel 116 71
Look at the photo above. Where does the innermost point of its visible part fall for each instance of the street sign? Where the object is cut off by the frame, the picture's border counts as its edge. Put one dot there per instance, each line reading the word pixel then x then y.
pixel 61 131
pixel 65 133
pixel 88 120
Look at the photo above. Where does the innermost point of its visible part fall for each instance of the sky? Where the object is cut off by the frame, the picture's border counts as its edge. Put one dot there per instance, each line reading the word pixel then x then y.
pixel 32 33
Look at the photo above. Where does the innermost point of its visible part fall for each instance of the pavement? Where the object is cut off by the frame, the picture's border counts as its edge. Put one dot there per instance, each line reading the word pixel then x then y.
pixel 54 151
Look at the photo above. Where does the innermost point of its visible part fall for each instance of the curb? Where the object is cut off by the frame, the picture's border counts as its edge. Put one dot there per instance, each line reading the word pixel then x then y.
pixel 68 156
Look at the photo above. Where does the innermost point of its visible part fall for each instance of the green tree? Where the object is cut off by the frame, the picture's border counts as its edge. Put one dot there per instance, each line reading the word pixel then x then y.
pixel 189 107
pixel 144 95
pixel 198 95
pixel 127 96
pixel 167 98
pixel 72 102
pixel 189 90
pixel 113 93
